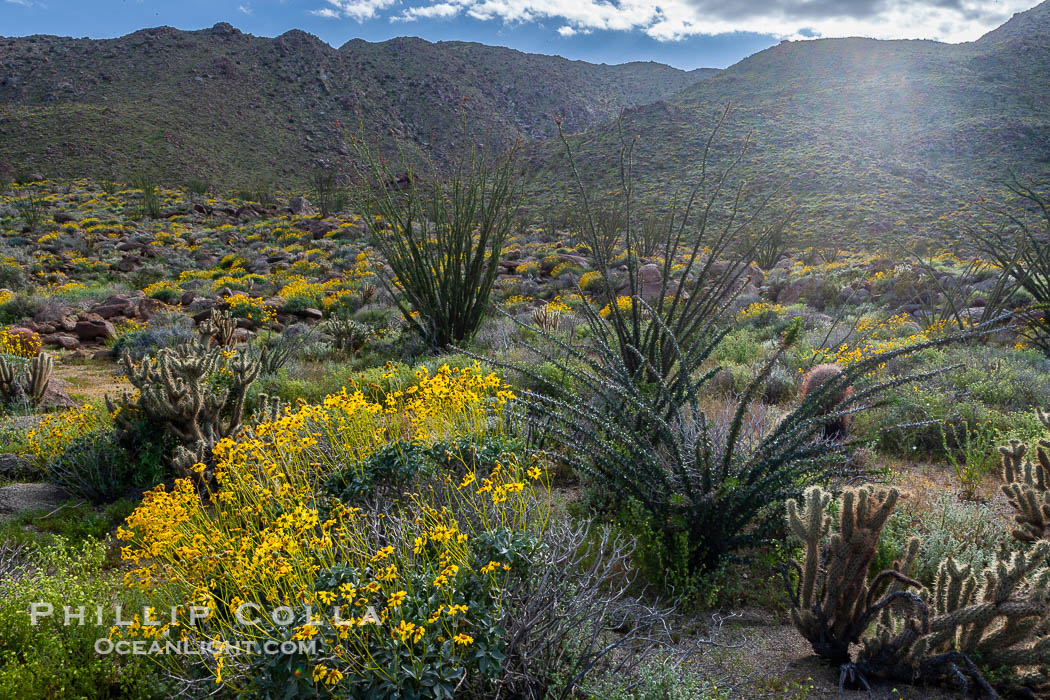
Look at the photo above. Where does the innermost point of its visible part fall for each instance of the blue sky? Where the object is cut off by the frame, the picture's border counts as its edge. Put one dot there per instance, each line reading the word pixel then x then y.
pixel 684 33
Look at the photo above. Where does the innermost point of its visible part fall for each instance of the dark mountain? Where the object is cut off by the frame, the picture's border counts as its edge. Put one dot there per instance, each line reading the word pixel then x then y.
pixel 235 108
pixel 874 136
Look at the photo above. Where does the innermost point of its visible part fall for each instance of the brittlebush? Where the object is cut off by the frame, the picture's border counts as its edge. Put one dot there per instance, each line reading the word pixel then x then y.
pixel 407 599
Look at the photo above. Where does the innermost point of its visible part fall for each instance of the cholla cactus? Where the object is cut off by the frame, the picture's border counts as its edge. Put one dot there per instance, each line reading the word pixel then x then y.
pixel 546 319
pixel 30 382
pixel 1027 485
pixel 195 392
pixel 348 334
pixel 997 617
pixel 833 602
pixel 41 368
pixel 220 326
pixel 270 409
pixel 7 380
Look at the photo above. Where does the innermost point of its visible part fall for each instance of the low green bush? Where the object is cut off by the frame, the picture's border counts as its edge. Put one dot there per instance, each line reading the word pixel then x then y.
pixel 53 660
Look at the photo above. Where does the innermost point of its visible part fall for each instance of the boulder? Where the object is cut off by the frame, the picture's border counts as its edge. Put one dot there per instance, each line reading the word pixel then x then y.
pixel 18 498
pixel 301 206
pixel 650 279
pixel 119 305
pixel 800 289
pixel 854 296
pixel 62 340
pixel 95 329
pixel 57 395
pixel 52 315
pixel 311 314
pixel 13 466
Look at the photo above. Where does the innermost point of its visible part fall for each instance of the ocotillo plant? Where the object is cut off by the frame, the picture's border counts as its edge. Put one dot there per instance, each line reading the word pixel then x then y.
pixel 442 235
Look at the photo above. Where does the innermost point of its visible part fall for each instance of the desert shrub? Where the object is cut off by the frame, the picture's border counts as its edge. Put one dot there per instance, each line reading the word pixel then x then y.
pixel 909 424
pixel 149 198
pixel 75 521
pixel 141 343
pixel 57 431
pixel 32 211
pixel 106 465
pixel 779 386
pixel 20 306
pixel 741 348
pixel 329 196
pixel 12 276
pixel 251 308
pixel 23 343
pixel 429 568
pixel 164 290
pixel 1001 378
pixel 197 187
pixel 51 659
pixel 393 465
pixel 660 678
pixel 972 456
pixel 972 534
pixel 572 616
pixel 442 236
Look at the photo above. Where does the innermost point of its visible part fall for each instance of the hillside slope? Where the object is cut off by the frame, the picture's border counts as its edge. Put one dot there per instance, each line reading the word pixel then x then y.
pixel 874 136
pixel 234 108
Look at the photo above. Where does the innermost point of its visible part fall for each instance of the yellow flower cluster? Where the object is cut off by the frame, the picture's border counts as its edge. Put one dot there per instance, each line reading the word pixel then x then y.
pixel 760 310
pixel 164 290
pixel 254 308
pixel 590 280
pixel 881 336
pixel 19 344
pixel 624 304
pixel 57 431
pixel 267 540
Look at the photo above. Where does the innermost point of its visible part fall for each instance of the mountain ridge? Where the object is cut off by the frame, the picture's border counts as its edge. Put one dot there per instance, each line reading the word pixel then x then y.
pixel 874 136
pixel 212 102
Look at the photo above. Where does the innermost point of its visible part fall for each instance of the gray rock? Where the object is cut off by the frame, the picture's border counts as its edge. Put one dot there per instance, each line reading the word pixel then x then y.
pixel 13 466
pixel 18 498
pixel 52 315
pixel 301 206
pixel 57 395
pixel 854 296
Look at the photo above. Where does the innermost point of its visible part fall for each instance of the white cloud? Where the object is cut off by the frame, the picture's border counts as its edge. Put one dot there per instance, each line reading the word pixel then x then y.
pixel 245 8
pixel 668 20
pixel 359 10
pixel 441 10
pixel 23 3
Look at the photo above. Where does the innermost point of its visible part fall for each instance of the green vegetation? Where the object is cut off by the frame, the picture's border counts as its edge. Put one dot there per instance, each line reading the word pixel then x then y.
pixel 606 417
